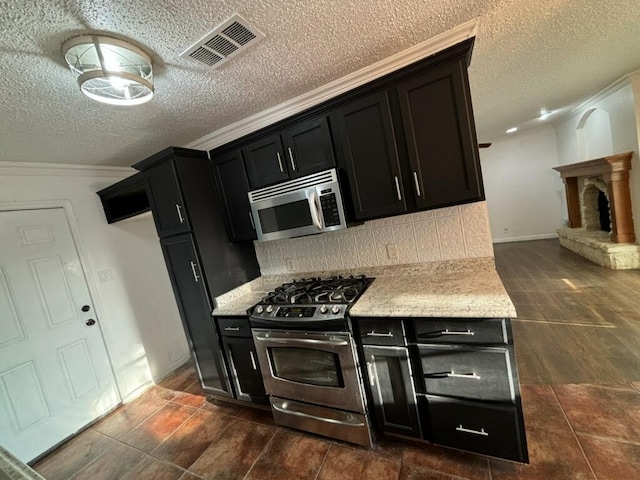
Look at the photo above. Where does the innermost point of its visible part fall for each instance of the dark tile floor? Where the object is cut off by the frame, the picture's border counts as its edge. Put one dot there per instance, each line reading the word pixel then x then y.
pixel 580 394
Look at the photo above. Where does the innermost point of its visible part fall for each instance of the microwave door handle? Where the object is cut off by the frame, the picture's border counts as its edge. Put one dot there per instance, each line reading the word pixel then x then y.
pixel 313 205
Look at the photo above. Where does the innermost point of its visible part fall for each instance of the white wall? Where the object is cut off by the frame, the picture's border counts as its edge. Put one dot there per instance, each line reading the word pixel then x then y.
pixel 620 103
pixel 524 195
pixel 136 309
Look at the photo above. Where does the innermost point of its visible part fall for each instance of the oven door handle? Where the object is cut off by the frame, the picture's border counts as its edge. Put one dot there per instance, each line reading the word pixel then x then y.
pixel 334 342
pixel 315 210
pixel 351 422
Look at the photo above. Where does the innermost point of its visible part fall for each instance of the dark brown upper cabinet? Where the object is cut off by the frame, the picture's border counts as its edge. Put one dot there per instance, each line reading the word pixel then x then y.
pixel 368 144
pixel 233 186
pixel 166 200
pixel 300 150
pixel 440 136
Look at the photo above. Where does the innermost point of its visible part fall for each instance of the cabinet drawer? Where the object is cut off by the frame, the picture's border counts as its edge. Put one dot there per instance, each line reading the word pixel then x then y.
pixel 462 330
pixel 473 373
pixel 234 327
pixel 381 332
pixel 489 430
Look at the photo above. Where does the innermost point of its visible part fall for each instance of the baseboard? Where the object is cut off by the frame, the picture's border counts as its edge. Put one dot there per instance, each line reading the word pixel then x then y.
pixel 544 236
pixel 175 366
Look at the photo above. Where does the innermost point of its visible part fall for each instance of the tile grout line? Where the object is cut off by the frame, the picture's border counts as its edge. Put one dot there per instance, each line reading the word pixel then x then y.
pixel 331 445
pixel 574 433
pixel 260 454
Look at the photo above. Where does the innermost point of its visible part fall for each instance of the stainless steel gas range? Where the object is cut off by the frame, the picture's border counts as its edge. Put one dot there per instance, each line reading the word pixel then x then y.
pixel 308 358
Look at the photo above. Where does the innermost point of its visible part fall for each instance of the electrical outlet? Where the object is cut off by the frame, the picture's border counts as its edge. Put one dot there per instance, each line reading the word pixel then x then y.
pixel 505 230
pixel 105 275
pixel 290 264
pixel 392 251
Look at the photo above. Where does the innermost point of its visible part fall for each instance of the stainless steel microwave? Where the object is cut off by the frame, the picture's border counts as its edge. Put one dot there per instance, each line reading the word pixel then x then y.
pixel 304 206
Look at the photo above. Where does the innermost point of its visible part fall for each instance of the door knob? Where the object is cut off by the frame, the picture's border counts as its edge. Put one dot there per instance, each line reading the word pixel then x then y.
pixel 90 322
pixel 86 308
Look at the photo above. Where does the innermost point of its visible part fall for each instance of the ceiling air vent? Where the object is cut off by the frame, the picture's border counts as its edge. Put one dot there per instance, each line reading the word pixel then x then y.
pixel 226 41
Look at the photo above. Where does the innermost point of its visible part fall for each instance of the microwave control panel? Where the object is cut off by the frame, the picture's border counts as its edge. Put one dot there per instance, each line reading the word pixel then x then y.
pixel 329 205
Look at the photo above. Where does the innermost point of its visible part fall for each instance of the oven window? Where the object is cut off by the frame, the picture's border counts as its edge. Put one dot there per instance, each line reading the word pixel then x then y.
pixel 285 217
pixel 310 367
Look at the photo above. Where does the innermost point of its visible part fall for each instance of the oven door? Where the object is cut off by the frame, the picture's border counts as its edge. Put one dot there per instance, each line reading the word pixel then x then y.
pixel 318 368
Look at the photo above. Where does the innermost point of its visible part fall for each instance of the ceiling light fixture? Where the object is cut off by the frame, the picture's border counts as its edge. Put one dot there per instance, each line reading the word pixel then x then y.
pixel 512 129
pixel 110 70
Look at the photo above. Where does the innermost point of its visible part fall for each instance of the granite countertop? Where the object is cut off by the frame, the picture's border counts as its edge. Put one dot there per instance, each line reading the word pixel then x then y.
pixel 458 288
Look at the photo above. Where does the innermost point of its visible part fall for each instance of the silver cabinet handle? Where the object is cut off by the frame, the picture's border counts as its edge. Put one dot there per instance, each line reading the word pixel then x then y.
pixel 253 360
pixel 454 332
pixel 376 334
pixel 193 269
pixel 415 179
pixel 482 432
pixel 252 223
pixel 464 375
pixel 293 163
pixel 232 329
pixel 280 162
pixel 179 209
pixel 398 188
pixel 372 378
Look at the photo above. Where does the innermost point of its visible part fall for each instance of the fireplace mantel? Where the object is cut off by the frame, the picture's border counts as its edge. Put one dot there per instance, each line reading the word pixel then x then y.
pixel 614 171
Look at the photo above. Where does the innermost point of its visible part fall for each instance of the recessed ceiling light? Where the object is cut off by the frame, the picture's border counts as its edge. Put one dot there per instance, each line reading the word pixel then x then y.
pixel 512 129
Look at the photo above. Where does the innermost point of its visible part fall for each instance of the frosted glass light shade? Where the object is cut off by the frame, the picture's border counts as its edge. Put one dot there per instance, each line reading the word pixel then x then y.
pixel 110 70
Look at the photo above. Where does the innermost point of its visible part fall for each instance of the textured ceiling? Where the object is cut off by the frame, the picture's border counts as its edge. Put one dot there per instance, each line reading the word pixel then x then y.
pixel 528 55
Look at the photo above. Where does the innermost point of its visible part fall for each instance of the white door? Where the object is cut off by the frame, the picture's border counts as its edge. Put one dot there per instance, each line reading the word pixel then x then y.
pixel 55 376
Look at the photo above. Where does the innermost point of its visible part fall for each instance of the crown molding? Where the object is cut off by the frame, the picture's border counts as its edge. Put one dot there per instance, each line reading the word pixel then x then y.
pixel 598 97
pixel 62 170
pixel 326 92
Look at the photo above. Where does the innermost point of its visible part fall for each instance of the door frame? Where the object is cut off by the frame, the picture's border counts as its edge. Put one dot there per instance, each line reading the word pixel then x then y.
pixel 67 208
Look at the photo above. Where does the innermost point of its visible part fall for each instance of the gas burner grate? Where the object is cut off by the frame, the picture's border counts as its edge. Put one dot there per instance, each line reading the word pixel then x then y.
pixel 315 290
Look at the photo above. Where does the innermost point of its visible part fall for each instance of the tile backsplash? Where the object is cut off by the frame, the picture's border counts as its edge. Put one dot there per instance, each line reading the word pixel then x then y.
pixel 435 235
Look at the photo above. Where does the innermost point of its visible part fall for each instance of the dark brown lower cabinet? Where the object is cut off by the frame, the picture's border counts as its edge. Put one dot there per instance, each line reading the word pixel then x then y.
pixel 245 370
pixel 242 360
pixel 392 391
pixel 195 310
pixel 494 430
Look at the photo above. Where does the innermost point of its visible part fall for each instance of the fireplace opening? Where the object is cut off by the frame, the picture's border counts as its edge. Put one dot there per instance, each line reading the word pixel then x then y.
pixel 604 212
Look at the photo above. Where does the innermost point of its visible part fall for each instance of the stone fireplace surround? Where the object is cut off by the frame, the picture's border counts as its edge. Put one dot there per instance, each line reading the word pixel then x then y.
pixel 583 182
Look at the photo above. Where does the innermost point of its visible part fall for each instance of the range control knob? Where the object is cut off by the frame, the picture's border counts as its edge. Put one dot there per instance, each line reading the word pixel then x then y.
pixel 259 309
pixel 335 309
pixel 269 309
pixel 323 309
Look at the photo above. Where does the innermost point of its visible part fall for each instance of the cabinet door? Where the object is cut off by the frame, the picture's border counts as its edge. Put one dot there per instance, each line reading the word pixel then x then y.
pixel 308 148
pixel 371 157
pixel 233 187
pixel 245 370
pixel 166 201
pixel 195 310
pixel 441 140
pixel 391 384
pixel 265 161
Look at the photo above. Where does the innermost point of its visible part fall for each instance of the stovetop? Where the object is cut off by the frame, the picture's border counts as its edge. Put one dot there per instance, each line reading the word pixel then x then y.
pixel 311 299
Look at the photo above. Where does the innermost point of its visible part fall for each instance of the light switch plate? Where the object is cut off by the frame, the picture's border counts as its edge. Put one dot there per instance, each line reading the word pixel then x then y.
pixel 105 275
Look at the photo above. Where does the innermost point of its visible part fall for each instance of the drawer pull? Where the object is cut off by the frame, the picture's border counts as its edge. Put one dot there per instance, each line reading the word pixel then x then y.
pixel 456 332
pixel 460 428
pixel 253 361
pixel 232 329
pixel 463 375
pixel 376 334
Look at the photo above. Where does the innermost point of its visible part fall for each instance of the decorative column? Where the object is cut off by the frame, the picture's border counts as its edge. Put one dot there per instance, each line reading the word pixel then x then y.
pixel 614 170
